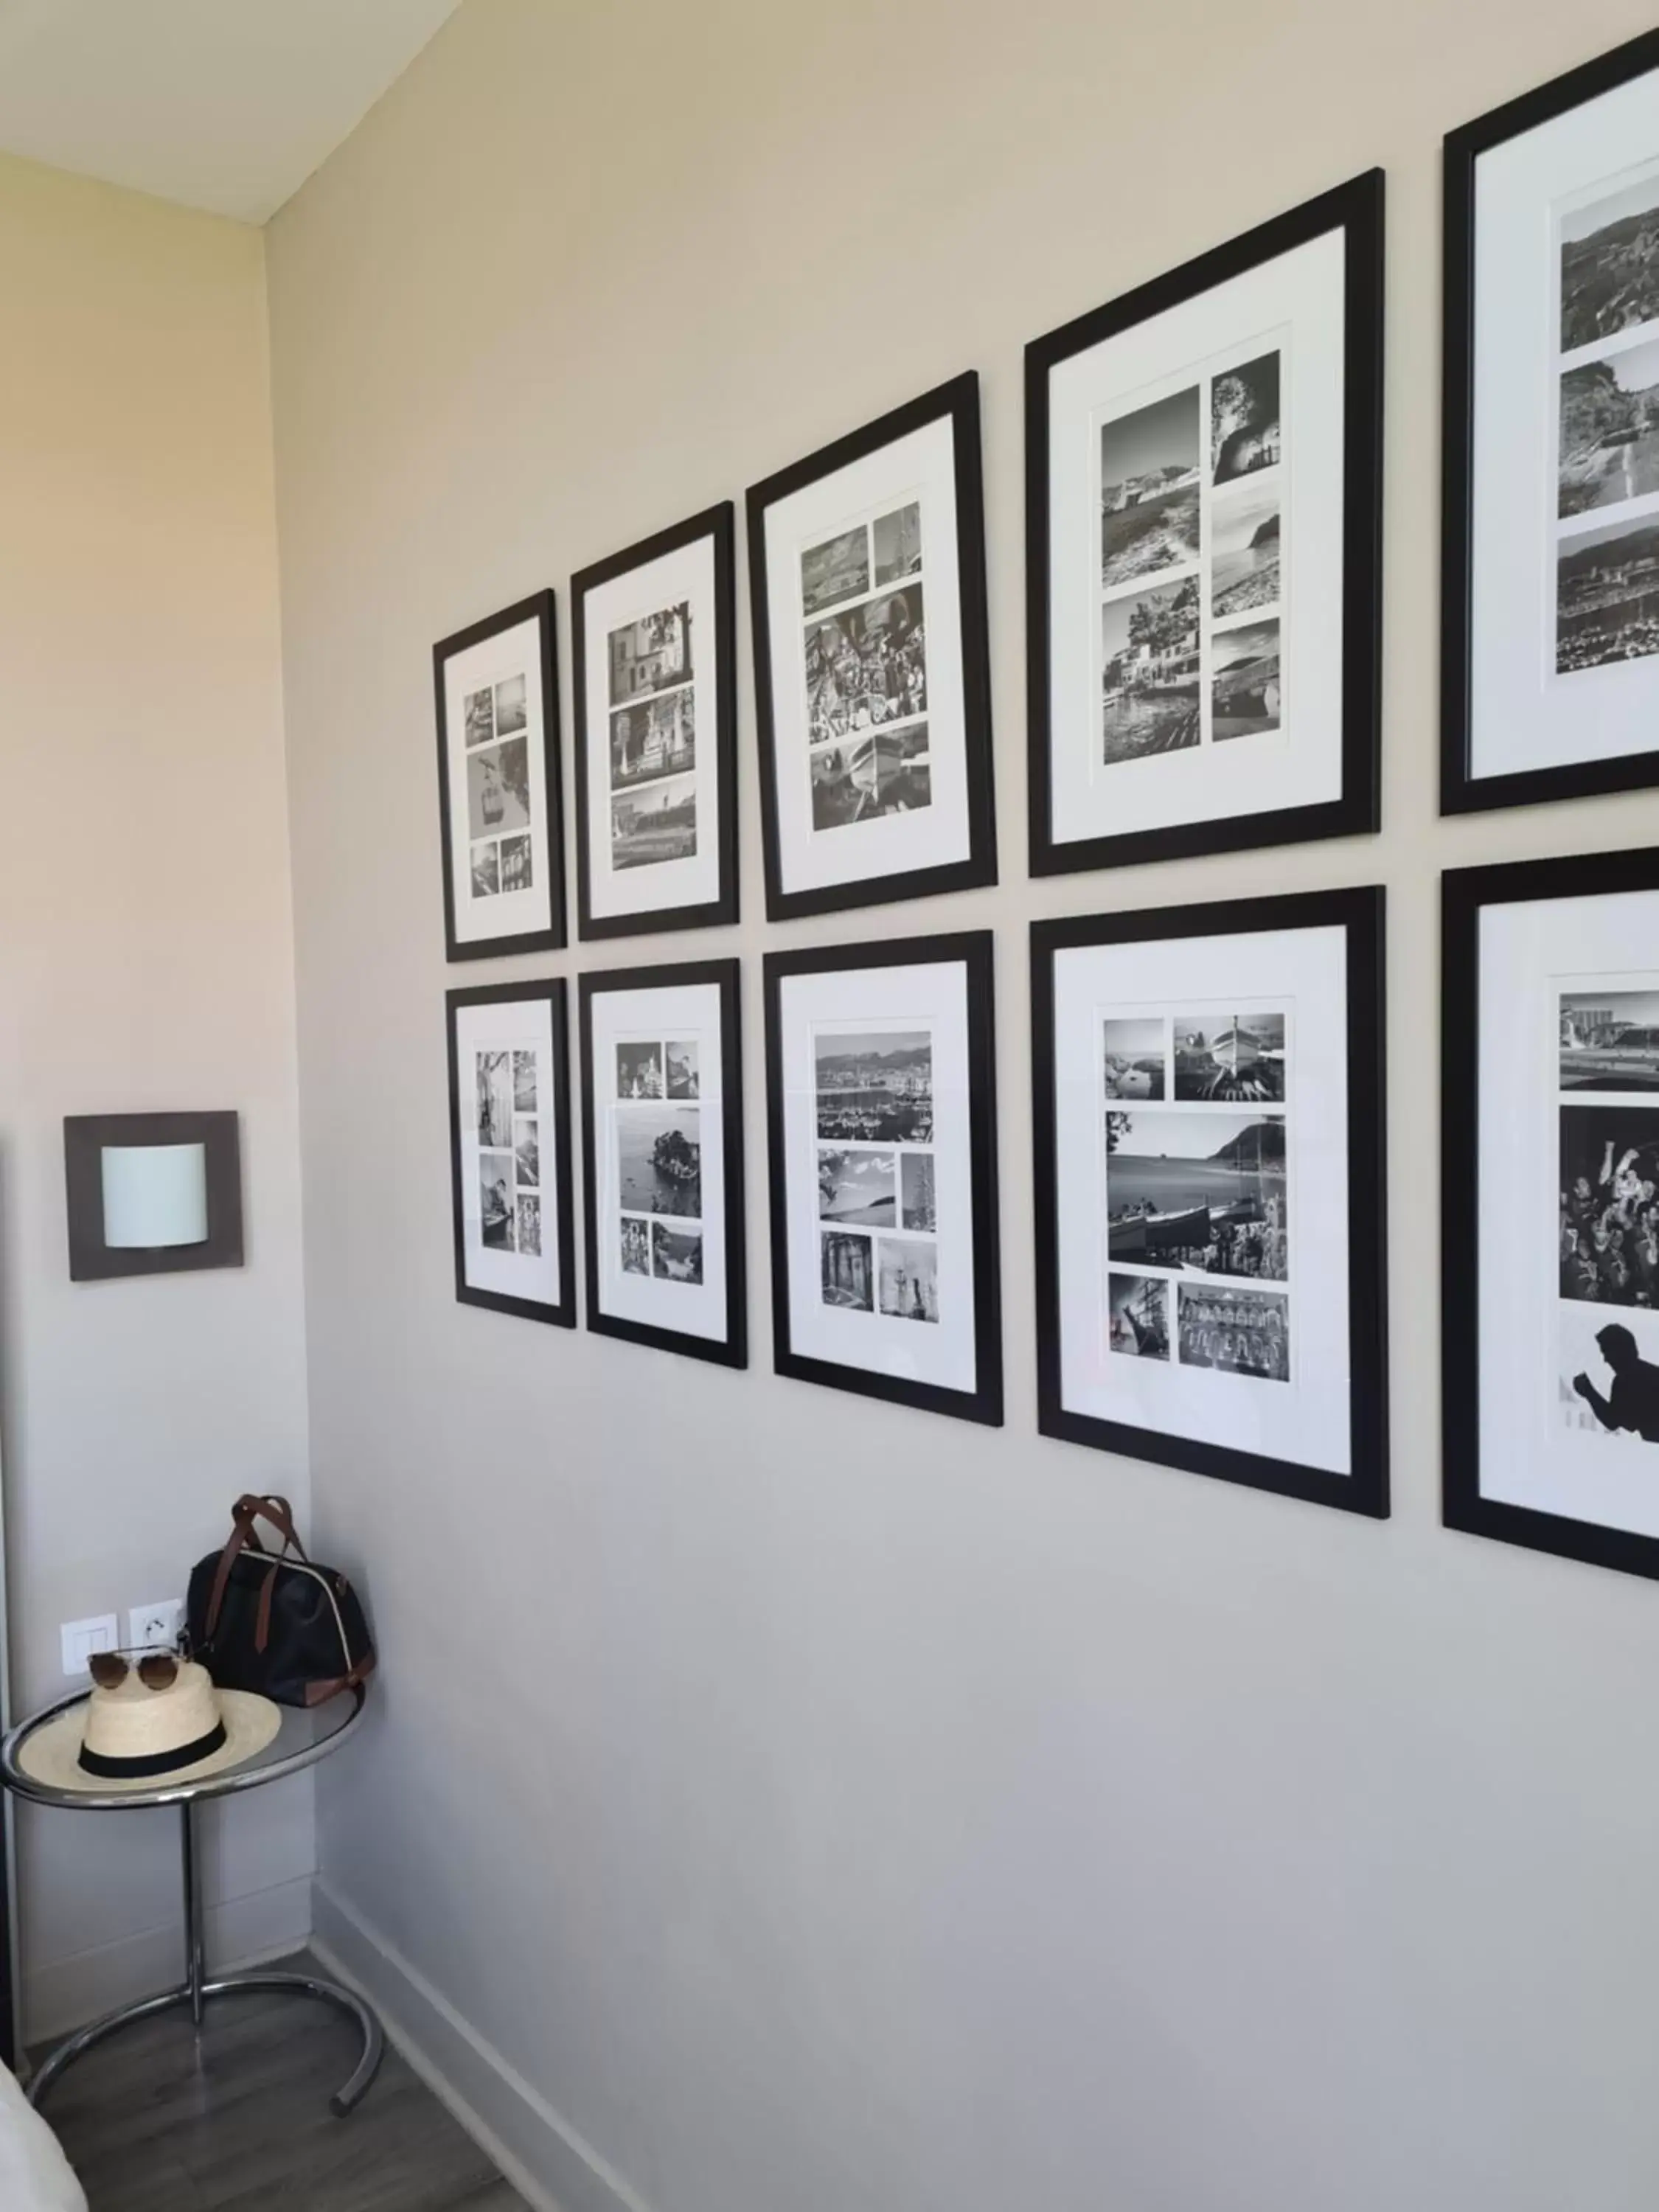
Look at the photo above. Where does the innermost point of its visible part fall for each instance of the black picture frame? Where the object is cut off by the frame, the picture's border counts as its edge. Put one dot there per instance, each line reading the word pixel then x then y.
pixel 725 975
pixel 719 524
pixel 1361 913
pixel 538 608
pixel 1460 791
pixel 958 400
pixel 553 989
pixel 85 1136
pixel 1465 893
pixel 975 951
pixel 1357 209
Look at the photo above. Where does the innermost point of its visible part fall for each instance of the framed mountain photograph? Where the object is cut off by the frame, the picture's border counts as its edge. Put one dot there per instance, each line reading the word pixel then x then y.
pixel 509 1135
pixel 881 1129
pixel 1550 453
pixel 1550 1194
pixel 662 1158
pixel 654 653
pixel 872 692
pixel 498 784
pixel 1207 1086
pixel 1203 471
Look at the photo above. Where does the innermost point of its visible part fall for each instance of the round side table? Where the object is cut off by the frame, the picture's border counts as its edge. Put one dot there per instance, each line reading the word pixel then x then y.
pixel 303 1739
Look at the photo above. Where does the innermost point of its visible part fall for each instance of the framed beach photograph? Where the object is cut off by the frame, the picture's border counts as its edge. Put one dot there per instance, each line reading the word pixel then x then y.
pixel 1550 1192
pixel 881 1128
pixel 1208 1093
pixel 662 1158
pixel 1550 454
pixel 509 1135
pixel 654 651
pixel 1203 469
pixel 498 784
pixel 872 692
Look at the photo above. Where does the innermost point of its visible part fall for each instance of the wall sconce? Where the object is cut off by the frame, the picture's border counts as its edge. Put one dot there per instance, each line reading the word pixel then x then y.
pixel 152 1194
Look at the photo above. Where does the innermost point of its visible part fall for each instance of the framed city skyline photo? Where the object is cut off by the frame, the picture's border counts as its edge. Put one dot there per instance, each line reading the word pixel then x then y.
pixel 881 1133
pixel 1550 453
pixel 1207 1087
pixel 654 636
pixel 509 1134
pixel 1203 469
pixel 499 798
pixel 662 1158
pixel 1550 1196
pixel 873 694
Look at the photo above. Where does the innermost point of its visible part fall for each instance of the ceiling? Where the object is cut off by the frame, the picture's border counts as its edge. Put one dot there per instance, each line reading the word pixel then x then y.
pixel 228 104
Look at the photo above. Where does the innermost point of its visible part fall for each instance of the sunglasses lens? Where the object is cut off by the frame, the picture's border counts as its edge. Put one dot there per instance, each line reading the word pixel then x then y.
pixel 109 1669
pixel 159 1671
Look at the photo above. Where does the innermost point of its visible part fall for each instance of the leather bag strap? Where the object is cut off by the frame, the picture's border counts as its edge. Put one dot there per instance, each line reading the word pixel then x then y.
pixel 248 1510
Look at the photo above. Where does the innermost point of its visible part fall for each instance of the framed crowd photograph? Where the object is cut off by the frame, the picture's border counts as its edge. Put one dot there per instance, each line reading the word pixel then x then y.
pixel 881 1129
pixel 1550 454
pixel 662 1158
pixel 1208 1091
pixel 654 651
pixel 509 1125
pixel 1550 1191
pixel 1203 473
pixel 872 690
pixel 498 784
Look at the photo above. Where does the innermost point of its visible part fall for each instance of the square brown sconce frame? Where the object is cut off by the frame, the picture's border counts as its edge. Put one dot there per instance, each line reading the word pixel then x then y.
pixel 85 1139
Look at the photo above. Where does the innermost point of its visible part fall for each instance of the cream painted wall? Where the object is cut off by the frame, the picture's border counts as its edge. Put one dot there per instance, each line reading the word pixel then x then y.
pixel 145 962
pixel 779 1799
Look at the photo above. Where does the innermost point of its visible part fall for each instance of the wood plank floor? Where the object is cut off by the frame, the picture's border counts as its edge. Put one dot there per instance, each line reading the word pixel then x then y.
pixel 154 2121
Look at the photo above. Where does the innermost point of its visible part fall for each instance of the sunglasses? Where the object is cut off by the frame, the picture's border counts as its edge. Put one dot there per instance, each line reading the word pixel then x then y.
pixel 157 1670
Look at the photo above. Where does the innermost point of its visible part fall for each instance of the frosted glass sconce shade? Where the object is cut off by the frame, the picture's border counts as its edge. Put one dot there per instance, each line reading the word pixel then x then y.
pixel 155 1195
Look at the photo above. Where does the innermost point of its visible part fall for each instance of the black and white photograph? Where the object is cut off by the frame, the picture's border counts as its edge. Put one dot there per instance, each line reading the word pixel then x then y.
pixel 860 1186
pixel 650 654
pixel 1230 1058
pixel 1149 472
pixel 634 1244
pixel 1188 540
pixel 1609 1040
pixel 1138 1315
pixel 875 1087
pixel 659 1159
pixel 639 1070
pixel 1239 1332
pixel 849 1271
pixel 1609 430
pixel 1206 1192
pixel 1607 595
pixel 1609 1205
pixel 907 1279
pixel 680 1058
pixel 918 1206
pixel 658 737
pixel 496 698
pixel 1610 264
pixel 510 1151
pixel 1245 432
pixel 676 1254
pixel 872 663
pixel 655 825
pixel 1136 1053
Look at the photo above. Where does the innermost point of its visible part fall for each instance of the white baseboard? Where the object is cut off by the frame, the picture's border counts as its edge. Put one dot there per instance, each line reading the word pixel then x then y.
pixel 242 1931
pixel 544 2158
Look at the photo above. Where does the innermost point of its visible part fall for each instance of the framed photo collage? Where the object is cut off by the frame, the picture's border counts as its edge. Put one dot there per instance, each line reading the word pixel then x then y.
pixel 1204 491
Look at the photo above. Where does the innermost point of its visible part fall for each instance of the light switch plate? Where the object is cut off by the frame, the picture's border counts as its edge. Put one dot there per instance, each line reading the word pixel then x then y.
pixel 155 1627
pixel 81 1639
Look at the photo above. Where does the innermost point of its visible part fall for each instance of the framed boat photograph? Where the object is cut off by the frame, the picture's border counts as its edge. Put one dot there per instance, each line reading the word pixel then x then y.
pixel 1203 501
pixel 662 1158
pixel 1550 451
pixel 654 652
pixel 872 690
pixel 1550 1197
pixel 509 1136
pixel 881 1132
pixel 499 798
pixel 1208 1084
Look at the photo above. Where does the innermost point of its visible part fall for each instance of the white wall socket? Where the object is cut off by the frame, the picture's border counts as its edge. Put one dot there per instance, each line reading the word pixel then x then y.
pixel 81 1639
pixel 150 1626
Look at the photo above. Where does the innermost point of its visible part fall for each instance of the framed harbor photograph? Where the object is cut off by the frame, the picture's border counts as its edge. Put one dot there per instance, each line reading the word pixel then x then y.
pixel 1550 1191
pixel 1550 454
pixel 662 1158
pixel 499 799
pixel 1207 1086
pixel 655 655
pixel 1204 551
pixel 509 1134
pixel 881 1128
pixel 873 694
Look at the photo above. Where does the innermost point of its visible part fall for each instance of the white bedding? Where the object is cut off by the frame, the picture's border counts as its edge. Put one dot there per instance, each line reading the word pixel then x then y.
pixel 35 2175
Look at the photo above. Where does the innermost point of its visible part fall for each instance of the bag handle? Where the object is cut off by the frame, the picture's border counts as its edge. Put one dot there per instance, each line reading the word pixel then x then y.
pixel 248 1510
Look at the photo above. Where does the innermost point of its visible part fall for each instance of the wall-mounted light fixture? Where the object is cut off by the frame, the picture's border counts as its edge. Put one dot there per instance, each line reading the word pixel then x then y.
pixel 152 1194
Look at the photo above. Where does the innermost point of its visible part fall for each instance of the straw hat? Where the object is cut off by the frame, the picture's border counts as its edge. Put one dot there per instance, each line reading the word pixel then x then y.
pixel 136 1738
